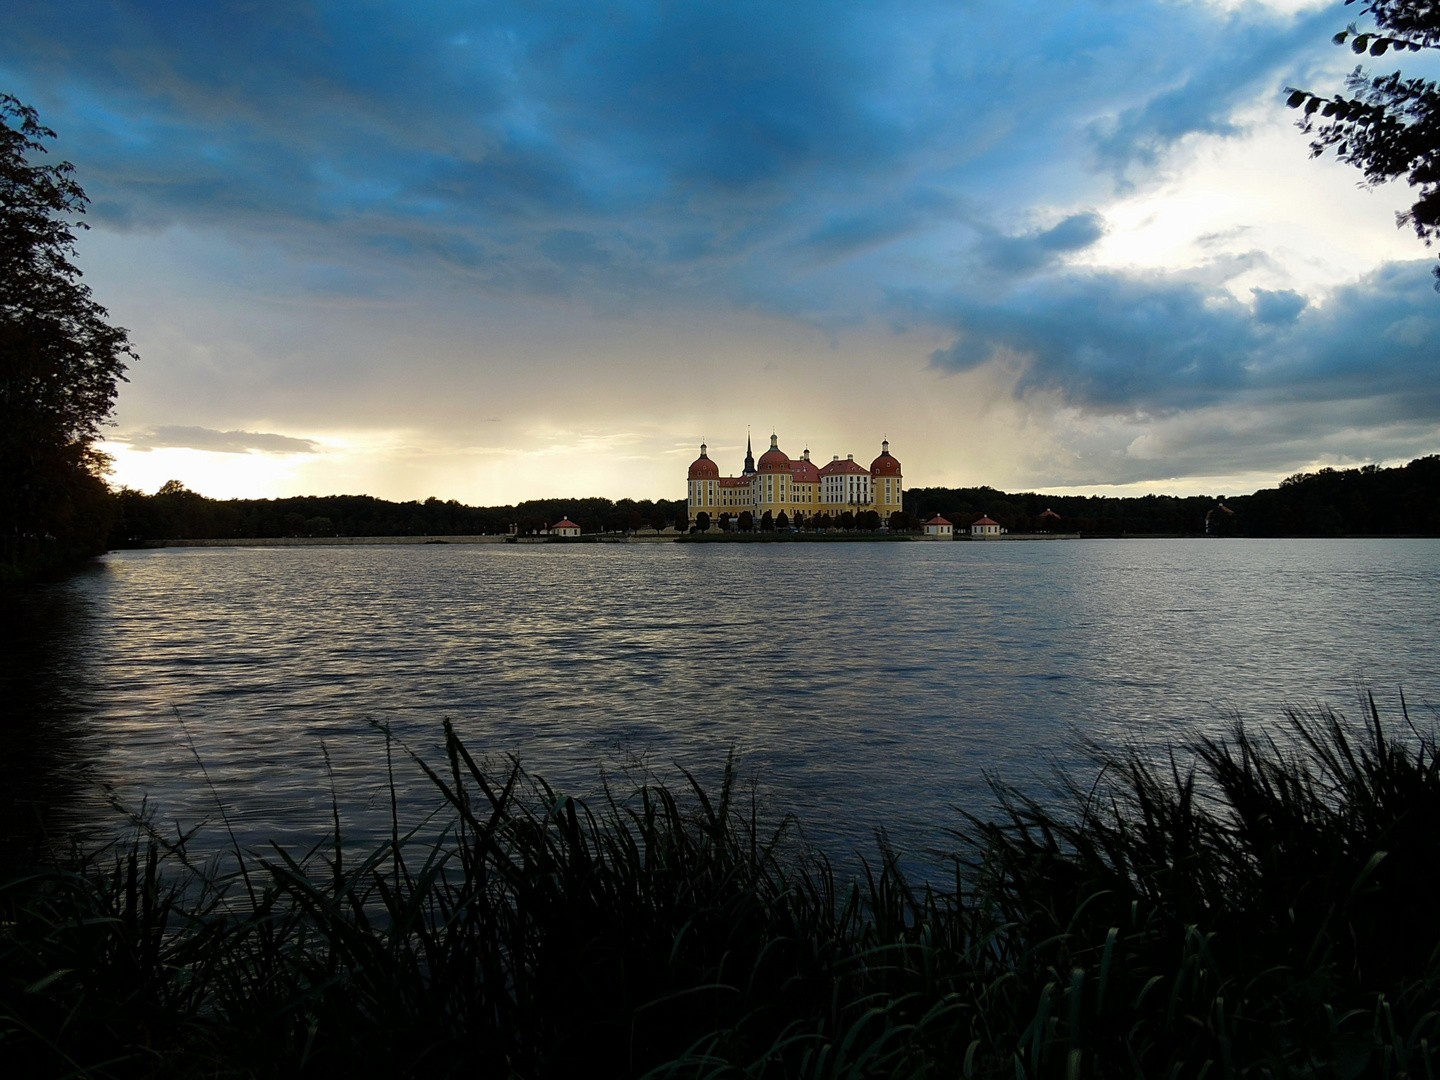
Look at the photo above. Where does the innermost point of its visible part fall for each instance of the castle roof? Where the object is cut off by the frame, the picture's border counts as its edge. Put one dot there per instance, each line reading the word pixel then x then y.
pixel 774 460
pixel 886 464
pixel 847 466
pixel 702 468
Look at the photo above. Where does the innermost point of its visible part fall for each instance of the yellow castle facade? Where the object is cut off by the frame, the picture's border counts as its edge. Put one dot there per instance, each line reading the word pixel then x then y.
pixel 779 484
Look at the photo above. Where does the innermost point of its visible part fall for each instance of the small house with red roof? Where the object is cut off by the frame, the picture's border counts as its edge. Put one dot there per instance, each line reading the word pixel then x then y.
pixel 986 528
pixel 565 527
pixel 940 529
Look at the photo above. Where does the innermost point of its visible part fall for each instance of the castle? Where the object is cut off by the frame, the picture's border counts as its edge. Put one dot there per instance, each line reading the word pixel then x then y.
pixel 778 484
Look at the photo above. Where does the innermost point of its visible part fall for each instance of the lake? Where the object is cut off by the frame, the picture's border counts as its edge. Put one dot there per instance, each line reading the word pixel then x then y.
pixel 859 685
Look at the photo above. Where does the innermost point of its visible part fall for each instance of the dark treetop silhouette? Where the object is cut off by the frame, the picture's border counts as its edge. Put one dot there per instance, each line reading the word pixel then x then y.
pixel 60 362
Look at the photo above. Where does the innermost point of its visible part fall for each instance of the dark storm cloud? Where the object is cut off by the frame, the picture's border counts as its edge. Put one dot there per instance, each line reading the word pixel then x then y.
pixel 1201 99
pixel 1112 342
pixel 1023 254
pixel 1278 306
pixel 218 442
pixel 480 136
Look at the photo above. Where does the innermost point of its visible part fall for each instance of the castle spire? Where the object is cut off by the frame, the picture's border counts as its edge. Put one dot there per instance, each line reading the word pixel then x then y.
pixel 749 459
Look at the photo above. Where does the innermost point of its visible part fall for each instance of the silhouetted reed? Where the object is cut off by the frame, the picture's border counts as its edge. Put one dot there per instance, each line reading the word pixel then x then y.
pixel 1251 907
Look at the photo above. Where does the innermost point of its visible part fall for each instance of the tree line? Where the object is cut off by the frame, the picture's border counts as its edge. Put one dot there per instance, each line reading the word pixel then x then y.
pixel 799 521
pixel 176 513
pixel 1364 501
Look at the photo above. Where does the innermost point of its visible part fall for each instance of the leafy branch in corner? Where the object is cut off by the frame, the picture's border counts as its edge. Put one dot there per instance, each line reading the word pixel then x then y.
pixel 1388 126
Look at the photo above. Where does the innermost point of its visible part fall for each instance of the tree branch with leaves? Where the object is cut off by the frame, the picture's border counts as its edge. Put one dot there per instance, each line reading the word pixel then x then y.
pixel 1388 126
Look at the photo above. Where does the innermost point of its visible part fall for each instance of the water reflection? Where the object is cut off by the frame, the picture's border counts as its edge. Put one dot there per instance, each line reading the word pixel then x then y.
pixel 865 685
pixel 50 741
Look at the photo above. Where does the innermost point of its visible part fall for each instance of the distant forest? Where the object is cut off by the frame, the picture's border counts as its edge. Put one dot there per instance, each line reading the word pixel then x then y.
pixel 176 513
pixel 1368 501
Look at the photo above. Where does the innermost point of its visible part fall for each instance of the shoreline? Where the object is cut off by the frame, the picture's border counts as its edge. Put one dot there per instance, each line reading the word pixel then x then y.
pixel 315 541
pixel 711 538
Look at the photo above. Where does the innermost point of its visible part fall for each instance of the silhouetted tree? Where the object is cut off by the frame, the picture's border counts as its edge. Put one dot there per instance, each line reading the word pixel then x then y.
pixel 60 362
pixel 747 521
pixel 767 522
pixel 702 521
pixel 868 520
pixel 1390 127
pixel 847 520
pixel 782 522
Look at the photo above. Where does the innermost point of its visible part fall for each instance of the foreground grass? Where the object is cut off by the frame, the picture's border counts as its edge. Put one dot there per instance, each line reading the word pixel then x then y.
pixel 1259 910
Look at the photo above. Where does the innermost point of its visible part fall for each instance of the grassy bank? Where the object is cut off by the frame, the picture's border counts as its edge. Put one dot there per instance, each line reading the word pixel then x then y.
pixel 1252 909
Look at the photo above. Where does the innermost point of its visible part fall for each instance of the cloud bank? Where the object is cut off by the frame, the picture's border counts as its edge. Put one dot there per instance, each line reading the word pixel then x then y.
pixel 547 145
pixel 216 442
pixel 1165 343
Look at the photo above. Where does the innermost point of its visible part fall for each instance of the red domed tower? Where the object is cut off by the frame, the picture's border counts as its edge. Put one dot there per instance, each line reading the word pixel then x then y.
pixel 704 479
pixel 886 481
pixel 773 490
pixel 702 468
pixel 886 464
pixel 774 460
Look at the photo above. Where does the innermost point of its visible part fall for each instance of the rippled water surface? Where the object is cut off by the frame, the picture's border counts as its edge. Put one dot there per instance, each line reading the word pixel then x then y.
pixel 862 684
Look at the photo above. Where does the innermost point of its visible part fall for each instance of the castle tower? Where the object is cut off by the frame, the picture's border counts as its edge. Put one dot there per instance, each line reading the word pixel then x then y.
pixel 703 481
pixel 886 482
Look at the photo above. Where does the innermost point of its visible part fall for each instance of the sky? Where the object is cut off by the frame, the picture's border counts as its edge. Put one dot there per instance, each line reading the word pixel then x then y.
pixel 491 251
